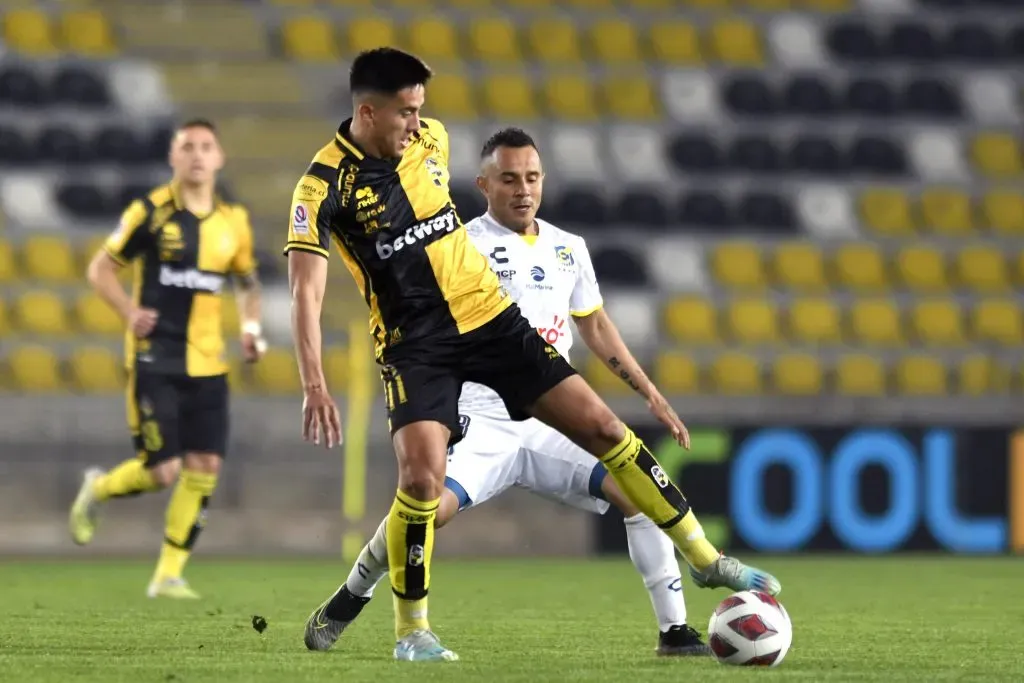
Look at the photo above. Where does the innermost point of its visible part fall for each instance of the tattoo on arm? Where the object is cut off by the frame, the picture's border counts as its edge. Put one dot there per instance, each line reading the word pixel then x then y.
pixel 616 364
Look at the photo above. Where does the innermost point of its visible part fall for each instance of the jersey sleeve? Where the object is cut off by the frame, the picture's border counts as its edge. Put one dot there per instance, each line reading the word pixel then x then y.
pixel 586 294
pixel 132 236
pixel 439 133
pixel 244 262
pixel 309 226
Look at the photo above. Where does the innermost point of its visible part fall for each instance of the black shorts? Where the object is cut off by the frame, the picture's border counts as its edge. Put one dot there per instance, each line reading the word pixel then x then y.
pixel 423 380
pixel 170 415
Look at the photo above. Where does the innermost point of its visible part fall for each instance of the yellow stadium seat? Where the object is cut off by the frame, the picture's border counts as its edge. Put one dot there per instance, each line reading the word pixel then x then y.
pixel 1020 267
pixel 96 370
pixel 534 5
pixel 602 379
pixel 982 269
pixel 978 375
pixel 752 321
pixel 691 320
pixel 308 39
pixel 922 269
pixel 570 97
pixel 8 269
pixel 509 96
pixel 5 320
pixel 434 39
pixel 631 97
pixel 615 41
pixel 887 212
pixel 87 250
pixel 799 266
pixel 735 374
pixel 35 370
pixel 708 4
pixel 493 39
pixel 736 42
pixel 276 373
pixel 336 368
pixel 676 43
pixel 451 97
pixel 50 259
pixel 41 312
pixel 95 316
pixel 814 322
pixel 29 31
pixel 651 4
pixel 738 265
pixel 368 33
pixel 826 5
pixel 87 32
pixel 947 211
pixel 860 267
pixel 937 322
pixel 230 317
pixel 590 5
pixel 859 374
pixel 997 321
pixel 676 373
pixel 1004 212
pixel 797 374
pixel 470 4
pixel 554 41
pixel 920 375
pixel 767 5
pixel 876 322
pixel 997 155
pixel 419 5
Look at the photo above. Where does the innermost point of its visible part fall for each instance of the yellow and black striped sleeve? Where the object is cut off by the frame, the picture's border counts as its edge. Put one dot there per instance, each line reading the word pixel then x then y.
pixel 313 208
pixel 244 263
pixel 437 131
pixel 132 236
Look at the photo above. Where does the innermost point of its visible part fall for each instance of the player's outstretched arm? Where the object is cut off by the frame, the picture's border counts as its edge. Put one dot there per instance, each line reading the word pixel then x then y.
pixel 307 280
pixel 602 337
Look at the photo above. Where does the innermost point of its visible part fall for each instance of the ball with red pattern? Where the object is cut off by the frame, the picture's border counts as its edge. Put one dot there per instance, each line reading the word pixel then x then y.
pixel 750 628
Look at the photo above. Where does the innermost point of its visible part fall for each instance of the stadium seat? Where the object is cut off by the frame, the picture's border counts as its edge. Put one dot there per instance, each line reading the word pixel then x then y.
pixel 29 31
pixel 50 259
pixel 827 5
pixel 853 42
pixel 704 210
pixel 768 213
pixel 309 39
pixel 676 43
pixel 973 44
pixel 691 320
pixel 997 321
pixel 434 39
pixel 41 312
pixel 641 207
pixel 368 32
pixel 615 41
pixel 937 322
pixel 80 86
pixel 797 374
pixel 982 269
pixel 735 42
pixel 87 32
pixel 554 41
pixel 754 153
pixel 676 373
pixel 860 374
pixel 5 319
pixel 694 153
pixel 336 366
pixel 877 156
pixel 752 322
pixel 1004 212
pixel 570 97
pixel 494 40
pixel 910 41
pixel 947 211
pixel 619 267
pixel 921 375
pixel 20 86
pixel 276 374
pixel 8 269
pixel 887 212
pixel 921 269
pixel 766 5
pixel 35 370
pixel 931 98
pixel 876 322
pixel 604 382
pixel 809 96
pixel 814 322
pixel 95 316
pixel 229 315
pixel 815 156
pixel 870 97
pixel 799 266
pixel 735 374
pixel 997 155
pixel 978 375
pixel 15 148
pixel 630 98
pixel 750 96
pixel 581 205
pixel 119 145
pixel 651 4
pixel 452 97
pixel 58 145
pixel 738 265
pixel 96 370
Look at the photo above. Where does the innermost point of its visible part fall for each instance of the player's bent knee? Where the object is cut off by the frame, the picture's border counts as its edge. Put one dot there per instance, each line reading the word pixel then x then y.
pixel 448 508
pixel 166 473
pixel 614 495
pixel 207 463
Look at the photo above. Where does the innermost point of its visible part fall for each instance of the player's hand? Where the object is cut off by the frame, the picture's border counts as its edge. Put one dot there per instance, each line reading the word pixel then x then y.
pixel 666 415
pixel 320 414
pixel 141 321
pixel 253 347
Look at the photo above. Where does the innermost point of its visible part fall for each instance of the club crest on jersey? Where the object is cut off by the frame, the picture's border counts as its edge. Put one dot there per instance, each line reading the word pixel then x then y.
pixel 537 273
pixel 565 257
pixel 171 242
pixel 300 220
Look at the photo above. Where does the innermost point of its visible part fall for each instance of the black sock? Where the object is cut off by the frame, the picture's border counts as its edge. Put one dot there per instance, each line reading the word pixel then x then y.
pixel 344 606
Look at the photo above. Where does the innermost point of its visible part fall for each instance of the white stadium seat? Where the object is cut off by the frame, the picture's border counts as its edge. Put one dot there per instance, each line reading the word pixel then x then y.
pixel 639 154
pixel 937 155
pixel 634 314
pixel 992 99
pixel 796 42
pixel 826 211
pixel 691 97
pixel 677 265
pixel 464 144
pixel 139 89
pixel 576 153
pixel 29 200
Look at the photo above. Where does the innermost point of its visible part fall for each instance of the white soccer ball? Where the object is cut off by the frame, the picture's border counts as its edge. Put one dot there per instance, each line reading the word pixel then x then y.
pixel 750 628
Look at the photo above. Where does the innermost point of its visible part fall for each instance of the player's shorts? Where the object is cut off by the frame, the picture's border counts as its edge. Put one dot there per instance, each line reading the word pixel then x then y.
pixel 497 453
pixel 170 415
pixel 423 381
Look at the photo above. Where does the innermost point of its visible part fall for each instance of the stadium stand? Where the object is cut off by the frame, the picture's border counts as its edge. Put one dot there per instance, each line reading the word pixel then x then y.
pixel 782 196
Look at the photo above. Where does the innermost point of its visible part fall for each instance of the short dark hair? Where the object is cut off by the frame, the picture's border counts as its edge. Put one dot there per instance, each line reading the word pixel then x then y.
pixel 197 123
pixel 515 138
pixel 386 70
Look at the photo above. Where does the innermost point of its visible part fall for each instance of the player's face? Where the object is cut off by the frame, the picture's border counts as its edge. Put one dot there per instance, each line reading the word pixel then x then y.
pixel 196 155
pixel 513 182
pixel 395 119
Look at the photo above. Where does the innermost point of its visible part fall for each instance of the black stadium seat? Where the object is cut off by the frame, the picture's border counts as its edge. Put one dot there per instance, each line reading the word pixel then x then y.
pixel 85 201
pixel 15 149
pixel 853 42
pixel 973 44
pixel 809 96
pixel 912 43
pixel 159 142
pixel 694 153
pixel 130 193
pixel 750 96
pixel 755 154
pixel 870 97
pixel 469 203
pixel 1015 44
pixel 619 266
pixel 878 156
pixel 582 206
pixel 704 210
pixel 79 87
pixel 58 145
pixel 117 144
pixel 641 207
pixel 19 87
pixel 931 97
pixel 815 155
pixel 766 212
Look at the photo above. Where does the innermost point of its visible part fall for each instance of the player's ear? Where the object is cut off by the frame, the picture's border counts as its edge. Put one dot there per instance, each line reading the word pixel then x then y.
pixel 481 184
pixel 219 164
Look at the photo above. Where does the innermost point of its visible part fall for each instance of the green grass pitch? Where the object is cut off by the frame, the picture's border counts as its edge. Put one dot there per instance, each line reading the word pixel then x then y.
pixel 904 618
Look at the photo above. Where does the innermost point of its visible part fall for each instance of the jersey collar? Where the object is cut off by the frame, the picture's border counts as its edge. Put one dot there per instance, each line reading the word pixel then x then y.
pixel 492 221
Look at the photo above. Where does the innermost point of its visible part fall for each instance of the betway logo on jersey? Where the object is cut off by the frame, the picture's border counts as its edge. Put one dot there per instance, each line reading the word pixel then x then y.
pixel 436 227
pixel 191 279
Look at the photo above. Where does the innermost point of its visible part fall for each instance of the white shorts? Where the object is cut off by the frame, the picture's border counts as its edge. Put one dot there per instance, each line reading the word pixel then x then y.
pixel 497 453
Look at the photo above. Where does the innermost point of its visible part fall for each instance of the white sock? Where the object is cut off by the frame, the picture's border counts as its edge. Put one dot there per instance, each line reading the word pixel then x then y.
pixel 654 556
pixel 371 566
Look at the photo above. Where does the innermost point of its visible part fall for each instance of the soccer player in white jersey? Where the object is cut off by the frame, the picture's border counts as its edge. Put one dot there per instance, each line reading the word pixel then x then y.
pixel 549 274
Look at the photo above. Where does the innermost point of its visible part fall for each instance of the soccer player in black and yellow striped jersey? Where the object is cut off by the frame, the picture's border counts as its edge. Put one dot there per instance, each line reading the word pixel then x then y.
pixel 184 242
pixel 439 317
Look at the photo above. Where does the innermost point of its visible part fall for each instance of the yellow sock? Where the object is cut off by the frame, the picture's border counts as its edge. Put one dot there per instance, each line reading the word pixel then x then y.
pixel 186 516
pixel 127 479
pixel 409 531
pixel 649 487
